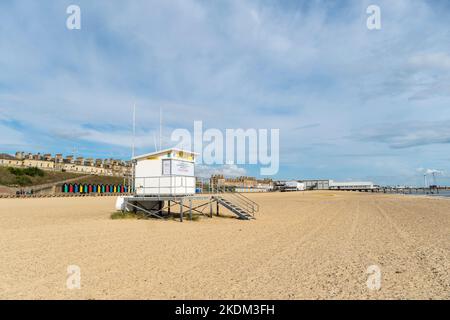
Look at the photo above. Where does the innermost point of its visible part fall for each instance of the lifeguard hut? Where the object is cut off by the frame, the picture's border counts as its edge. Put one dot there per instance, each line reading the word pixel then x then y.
pixel 169 172
pixel 168 176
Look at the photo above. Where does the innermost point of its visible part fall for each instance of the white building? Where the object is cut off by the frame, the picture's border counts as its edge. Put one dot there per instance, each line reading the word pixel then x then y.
pixel 167 172
pixel 293 186
pixel 316 184
pixel 351 185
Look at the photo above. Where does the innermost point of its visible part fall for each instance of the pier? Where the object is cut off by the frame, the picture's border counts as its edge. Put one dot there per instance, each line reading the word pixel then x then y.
pixel 405 190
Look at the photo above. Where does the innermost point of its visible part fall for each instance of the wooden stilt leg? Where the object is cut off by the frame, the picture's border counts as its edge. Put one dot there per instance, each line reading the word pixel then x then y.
pixel 190 209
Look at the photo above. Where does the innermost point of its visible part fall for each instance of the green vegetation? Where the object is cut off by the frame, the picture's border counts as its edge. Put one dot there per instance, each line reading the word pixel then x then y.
pixel 23 177
pixel 103 180
pixel 142 215
pixel 23 180
pixel 195 217
pixel 128 215
pixel 176 216
pixel 28 177
pixel 32 172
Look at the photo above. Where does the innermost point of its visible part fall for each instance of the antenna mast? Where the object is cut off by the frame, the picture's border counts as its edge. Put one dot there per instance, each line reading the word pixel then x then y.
pixel 134 130
pixel 160 128
pixel 133 166
pixel 154 140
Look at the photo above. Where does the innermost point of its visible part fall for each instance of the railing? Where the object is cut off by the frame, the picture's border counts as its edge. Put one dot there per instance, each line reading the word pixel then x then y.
pixel 253 204
pixel 165 185
pixel 247 204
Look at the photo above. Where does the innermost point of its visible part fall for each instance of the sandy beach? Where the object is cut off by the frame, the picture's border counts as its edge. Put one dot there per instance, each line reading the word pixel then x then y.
pixel 311 245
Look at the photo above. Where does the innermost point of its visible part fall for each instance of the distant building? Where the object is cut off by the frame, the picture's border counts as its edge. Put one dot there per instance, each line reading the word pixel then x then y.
pixel 79 161
pixel 324 184
pixel 69 159
pixel 8 160
pixel 99 163
pixel 241 182
pixel 20 155
pixel 59 158
pixel 59 163
pixel 316 184
pixel 351 185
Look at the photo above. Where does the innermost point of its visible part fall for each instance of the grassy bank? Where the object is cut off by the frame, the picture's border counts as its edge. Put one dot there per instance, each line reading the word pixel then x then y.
pixel 28 177
pixel 103 180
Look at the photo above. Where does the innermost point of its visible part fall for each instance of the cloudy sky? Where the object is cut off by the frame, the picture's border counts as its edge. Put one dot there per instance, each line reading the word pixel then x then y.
pixel 350 103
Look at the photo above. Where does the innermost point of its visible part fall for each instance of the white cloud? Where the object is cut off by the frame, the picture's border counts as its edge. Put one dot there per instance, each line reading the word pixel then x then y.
pixel 117 138
pixel 434 60
pixel 407 134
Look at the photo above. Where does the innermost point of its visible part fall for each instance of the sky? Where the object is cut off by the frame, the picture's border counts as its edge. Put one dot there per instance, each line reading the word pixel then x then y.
pixel 351 103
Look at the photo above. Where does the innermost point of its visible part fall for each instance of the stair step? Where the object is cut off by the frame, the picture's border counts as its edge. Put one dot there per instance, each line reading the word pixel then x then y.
pixel 242 213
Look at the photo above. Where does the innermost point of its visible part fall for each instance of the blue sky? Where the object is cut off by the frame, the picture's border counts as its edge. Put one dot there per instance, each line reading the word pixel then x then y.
pixel 350 103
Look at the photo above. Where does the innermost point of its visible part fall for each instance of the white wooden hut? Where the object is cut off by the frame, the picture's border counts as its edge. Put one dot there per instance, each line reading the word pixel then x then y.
pixel 169 172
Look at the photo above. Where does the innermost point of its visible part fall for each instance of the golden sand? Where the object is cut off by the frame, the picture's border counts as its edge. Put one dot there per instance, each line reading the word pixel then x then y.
pixel 311 245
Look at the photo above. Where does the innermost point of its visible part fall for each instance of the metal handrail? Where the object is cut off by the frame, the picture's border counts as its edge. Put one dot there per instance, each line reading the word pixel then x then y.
pixel 256 205
pixel 249 205
pixel 173 183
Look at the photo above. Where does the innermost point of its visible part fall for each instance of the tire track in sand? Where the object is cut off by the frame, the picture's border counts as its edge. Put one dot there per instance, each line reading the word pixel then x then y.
pixel 437 277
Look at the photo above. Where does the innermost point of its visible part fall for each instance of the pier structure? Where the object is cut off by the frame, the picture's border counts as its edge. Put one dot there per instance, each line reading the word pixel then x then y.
pixel 409 190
